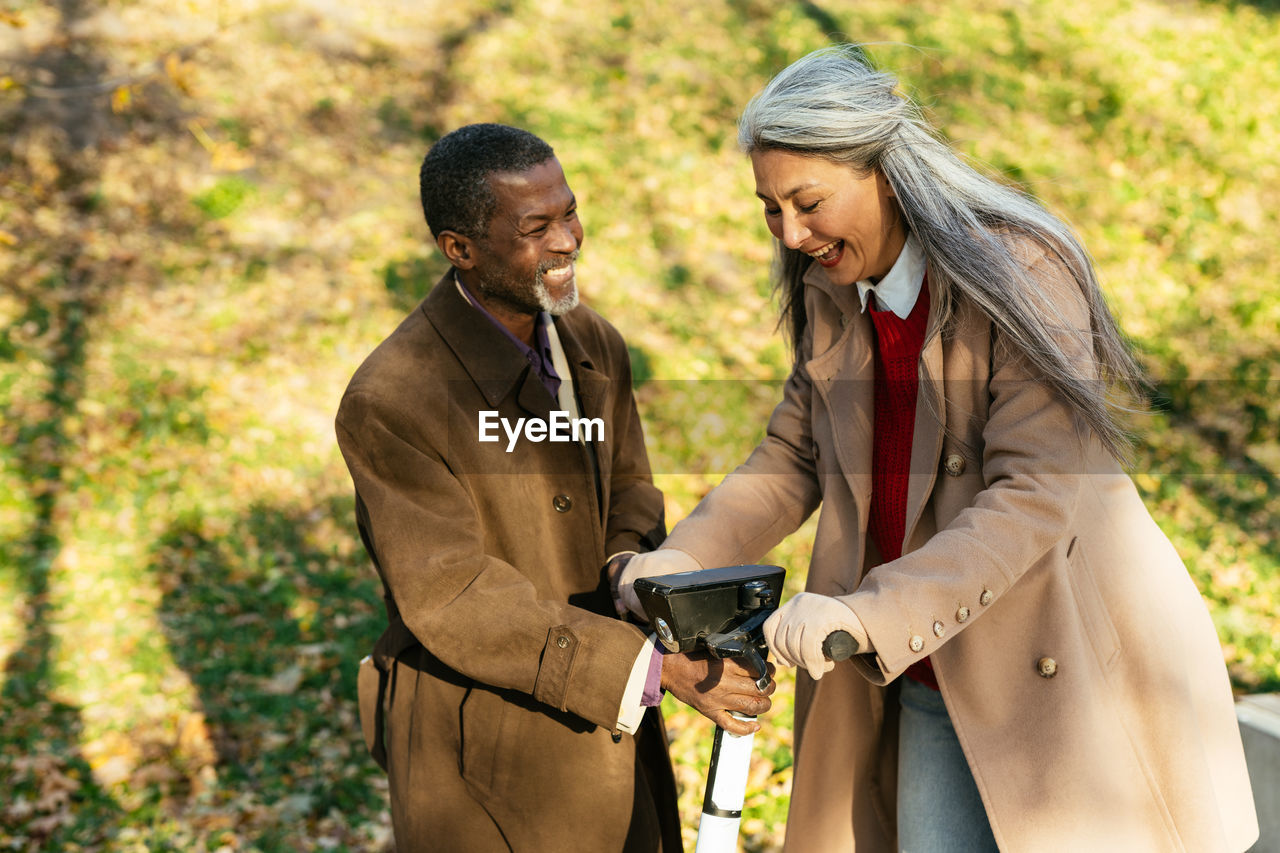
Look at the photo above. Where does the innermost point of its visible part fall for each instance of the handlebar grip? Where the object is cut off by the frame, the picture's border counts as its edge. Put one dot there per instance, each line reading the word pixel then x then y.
pixel 839 645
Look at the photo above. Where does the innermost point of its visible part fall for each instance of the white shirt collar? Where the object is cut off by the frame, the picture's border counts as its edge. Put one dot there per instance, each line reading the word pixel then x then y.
pixel 898 290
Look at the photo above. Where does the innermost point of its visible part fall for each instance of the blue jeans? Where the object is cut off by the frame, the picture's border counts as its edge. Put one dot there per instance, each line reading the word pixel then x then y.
pixel 939 809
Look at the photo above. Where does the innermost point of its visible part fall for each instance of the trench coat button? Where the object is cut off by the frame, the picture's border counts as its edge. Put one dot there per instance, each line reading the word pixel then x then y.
pixel 917 643
pixel 562 503
pixel 954 465
pixel 844 321
pixel 986 598
pixel 939 629
pixel 1047 667
pixel 962 615
pixel 562 641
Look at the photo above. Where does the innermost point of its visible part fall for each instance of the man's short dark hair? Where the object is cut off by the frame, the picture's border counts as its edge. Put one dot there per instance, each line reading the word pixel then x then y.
pixel 454 179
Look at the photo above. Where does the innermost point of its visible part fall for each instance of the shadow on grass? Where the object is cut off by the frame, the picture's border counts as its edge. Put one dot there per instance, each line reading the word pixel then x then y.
pixel 49 798
pixel 269 616
pixel 410 279
pixel 1235 419
pixel 1223 451
pixel 1269 7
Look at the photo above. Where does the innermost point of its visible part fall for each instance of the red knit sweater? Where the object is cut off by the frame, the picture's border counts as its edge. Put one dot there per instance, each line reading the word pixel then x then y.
pixel 898 345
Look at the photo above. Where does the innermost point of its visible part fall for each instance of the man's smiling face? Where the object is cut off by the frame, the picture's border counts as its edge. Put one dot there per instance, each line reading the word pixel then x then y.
pixel 526 261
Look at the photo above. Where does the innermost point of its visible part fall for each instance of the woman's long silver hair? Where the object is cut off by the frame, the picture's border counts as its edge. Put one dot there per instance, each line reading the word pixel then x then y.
pixel 834 104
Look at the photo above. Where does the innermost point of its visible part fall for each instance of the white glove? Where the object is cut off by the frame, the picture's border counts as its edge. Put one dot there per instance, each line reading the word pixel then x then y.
pixel 796 630
pixel 664 561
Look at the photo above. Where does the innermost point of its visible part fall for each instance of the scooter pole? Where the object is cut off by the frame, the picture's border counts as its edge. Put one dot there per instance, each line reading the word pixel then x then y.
pixel 726 790
pixel 723 610
pixel 731 754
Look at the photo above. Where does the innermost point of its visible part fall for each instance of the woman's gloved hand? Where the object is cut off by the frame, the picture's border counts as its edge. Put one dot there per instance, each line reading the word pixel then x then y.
pixel 796 630
pixel 664 561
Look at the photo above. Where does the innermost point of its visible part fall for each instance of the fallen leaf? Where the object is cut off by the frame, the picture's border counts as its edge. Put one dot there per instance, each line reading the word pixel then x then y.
pixel 284 682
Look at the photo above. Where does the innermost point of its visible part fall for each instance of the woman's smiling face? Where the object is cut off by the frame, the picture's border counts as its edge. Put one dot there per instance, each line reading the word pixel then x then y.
pixel 849 222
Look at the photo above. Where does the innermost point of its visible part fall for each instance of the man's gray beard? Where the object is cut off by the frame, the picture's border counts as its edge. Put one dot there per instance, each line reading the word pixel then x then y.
pixel 556 307
pixel 530 298
pixel 563 305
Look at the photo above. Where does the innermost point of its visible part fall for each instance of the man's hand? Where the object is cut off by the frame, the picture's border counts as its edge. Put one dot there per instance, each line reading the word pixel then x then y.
pixel 716 687
pixel 796 630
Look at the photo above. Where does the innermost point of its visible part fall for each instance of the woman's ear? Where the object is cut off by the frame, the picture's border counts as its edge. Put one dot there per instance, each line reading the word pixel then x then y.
pixel 886 187
pixel 459 249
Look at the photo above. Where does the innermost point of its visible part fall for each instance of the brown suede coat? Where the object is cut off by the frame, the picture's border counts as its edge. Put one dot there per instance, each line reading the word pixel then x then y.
pixel 505 666
pixel 1077 660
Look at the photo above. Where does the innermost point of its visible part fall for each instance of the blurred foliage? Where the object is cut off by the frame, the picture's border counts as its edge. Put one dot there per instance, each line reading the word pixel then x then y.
pixel 208 216
pixel 224 197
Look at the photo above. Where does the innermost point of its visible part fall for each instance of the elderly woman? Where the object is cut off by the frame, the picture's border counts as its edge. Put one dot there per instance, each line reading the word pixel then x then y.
pixel 1036 670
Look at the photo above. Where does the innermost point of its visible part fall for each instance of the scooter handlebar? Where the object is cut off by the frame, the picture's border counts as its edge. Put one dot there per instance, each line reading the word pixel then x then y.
pixel 839 645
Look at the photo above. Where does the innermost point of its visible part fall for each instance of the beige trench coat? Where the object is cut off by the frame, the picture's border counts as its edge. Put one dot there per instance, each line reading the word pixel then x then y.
pixel 1076 658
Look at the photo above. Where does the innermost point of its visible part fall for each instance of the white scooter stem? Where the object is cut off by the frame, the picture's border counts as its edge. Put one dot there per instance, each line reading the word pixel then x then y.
pixel 726 790
pixel 730 764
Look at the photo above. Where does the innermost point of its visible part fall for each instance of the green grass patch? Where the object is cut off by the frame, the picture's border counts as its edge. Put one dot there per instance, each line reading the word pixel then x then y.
pixel 225 197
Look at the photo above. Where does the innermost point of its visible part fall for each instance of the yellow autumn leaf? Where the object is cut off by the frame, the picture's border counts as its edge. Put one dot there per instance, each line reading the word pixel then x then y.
pixel 120 99
pixel 179 72
pixel 226 157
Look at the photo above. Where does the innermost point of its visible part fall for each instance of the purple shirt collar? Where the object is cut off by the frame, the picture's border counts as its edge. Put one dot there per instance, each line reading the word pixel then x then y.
pixel 539 356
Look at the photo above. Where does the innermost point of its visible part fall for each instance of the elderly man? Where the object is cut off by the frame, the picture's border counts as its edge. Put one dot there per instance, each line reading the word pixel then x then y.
pixel 501 483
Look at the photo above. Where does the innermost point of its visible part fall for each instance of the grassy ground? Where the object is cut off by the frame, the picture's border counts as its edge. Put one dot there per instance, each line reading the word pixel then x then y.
pixel 208 216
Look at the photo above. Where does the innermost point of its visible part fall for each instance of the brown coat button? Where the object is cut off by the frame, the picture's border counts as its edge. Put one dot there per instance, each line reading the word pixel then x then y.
pixel 562 641
pixel 1047 667
pixel 954 465
pixel 939 629
pixel 986 598
pixel 562 503
pixel 917 643
pixel 962 615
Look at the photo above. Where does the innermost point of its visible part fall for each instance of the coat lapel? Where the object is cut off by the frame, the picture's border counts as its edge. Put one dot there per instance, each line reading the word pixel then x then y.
pixel 850 397
pixel 593 389
pixel 492 361
pixel 930 425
